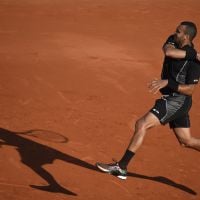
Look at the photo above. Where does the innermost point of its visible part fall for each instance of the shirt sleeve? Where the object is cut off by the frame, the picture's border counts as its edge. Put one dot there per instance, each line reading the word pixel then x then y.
pixel 193 74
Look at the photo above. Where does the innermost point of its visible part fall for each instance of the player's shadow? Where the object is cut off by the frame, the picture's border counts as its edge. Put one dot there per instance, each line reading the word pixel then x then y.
pixel 164 180
pixel 35 155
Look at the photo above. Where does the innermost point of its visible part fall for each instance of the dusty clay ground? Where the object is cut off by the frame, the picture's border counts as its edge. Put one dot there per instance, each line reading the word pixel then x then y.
pixel 74 77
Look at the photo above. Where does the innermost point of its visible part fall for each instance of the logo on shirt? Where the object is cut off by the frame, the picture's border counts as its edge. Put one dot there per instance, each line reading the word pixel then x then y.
pixel 156 111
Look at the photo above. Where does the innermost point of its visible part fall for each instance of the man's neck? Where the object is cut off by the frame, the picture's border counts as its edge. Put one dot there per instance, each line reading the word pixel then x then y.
pixel 186 43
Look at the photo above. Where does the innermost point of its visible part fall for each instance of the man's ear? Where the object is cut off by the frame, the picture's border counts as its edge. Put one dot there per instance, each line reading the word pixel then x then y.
pixel 187 37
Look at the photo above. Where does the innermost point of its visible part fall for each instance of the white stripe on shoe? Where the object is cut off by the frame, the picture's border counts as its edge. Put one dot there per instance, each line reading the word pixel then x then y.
pixel 102 169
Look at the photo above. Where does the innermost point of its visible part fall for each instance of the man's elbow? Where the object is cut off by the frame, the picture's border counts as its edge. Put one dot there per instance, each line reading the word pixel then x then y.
pixel 168 52
pixel 191 89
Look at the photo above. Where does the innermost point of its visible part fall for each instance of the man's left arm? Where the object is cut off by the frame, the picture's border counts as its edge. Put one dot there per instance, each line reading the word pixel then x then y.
pixel 158 84
pixel 192 79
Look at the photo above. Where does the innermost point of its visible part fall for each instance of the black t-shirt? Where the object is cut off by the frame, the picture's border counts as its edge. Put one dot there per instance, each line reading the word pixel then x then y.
pixel 180 70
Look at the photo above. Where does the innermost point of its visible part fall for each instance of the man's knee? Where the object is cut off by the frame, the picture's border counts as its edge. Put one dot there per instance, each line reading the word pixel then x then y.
pixel 146 122
pixel 140 124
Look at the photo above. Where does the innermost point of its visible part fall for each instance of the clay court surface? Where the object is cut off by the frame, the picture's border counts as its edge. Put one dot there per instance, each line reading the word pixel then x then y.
pixel 74 77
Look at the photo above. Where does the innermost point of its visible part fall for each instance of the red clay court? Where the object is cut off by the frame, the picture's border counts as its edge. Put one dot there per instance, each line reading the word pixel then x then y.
pixel 74 77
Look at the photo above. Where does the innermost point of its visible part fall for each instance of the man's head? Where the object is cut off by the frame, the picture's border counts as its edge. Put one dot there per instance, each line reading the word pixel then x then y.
pixel 185 32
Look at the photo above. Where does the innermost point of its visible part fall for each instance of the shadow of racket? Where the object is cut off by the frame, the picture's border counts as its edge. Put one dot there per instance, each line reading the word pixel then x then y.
pixel 45 135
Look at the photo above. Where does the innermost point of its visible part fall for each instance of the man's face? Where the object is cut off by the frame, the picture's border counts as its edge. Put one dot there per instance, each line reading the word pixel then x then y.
pixel 180 35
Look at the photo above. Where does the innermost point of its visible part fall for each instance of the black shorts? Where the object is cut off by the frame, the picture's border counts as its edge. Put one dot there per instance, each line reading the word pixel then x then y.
pixel 173 109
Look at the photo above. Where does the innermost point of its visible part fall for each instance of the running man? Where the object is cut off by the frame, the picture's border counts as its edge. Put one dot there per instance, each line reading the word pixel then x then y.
pixel 180 74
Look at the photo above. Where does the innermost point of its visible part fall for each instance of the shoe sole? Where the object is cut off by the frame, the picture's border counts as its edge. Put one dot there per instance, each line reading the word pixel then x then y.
pixel 107 171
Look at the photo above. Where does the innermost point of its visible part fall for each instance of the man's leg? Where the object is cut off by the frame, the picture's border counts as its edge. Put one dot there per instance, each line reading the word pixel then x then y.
pixel 185 139
pixel 142 125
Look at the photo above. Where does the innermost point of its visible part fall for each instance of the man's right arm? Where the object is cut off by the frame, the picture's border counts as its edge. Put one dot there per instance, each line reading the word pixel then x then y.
pixel 189 53
pixel 170 50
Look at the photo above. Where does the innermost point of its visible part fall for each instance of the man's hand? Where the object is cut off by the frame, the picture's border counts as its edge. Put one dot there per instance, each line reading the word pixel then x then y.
pixel 156 84
pixel 168 46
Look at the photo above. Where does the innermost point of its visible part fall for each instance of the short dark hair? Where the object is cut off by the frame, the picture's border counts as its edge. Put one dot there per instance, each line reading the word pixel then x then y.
pixel 191 29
